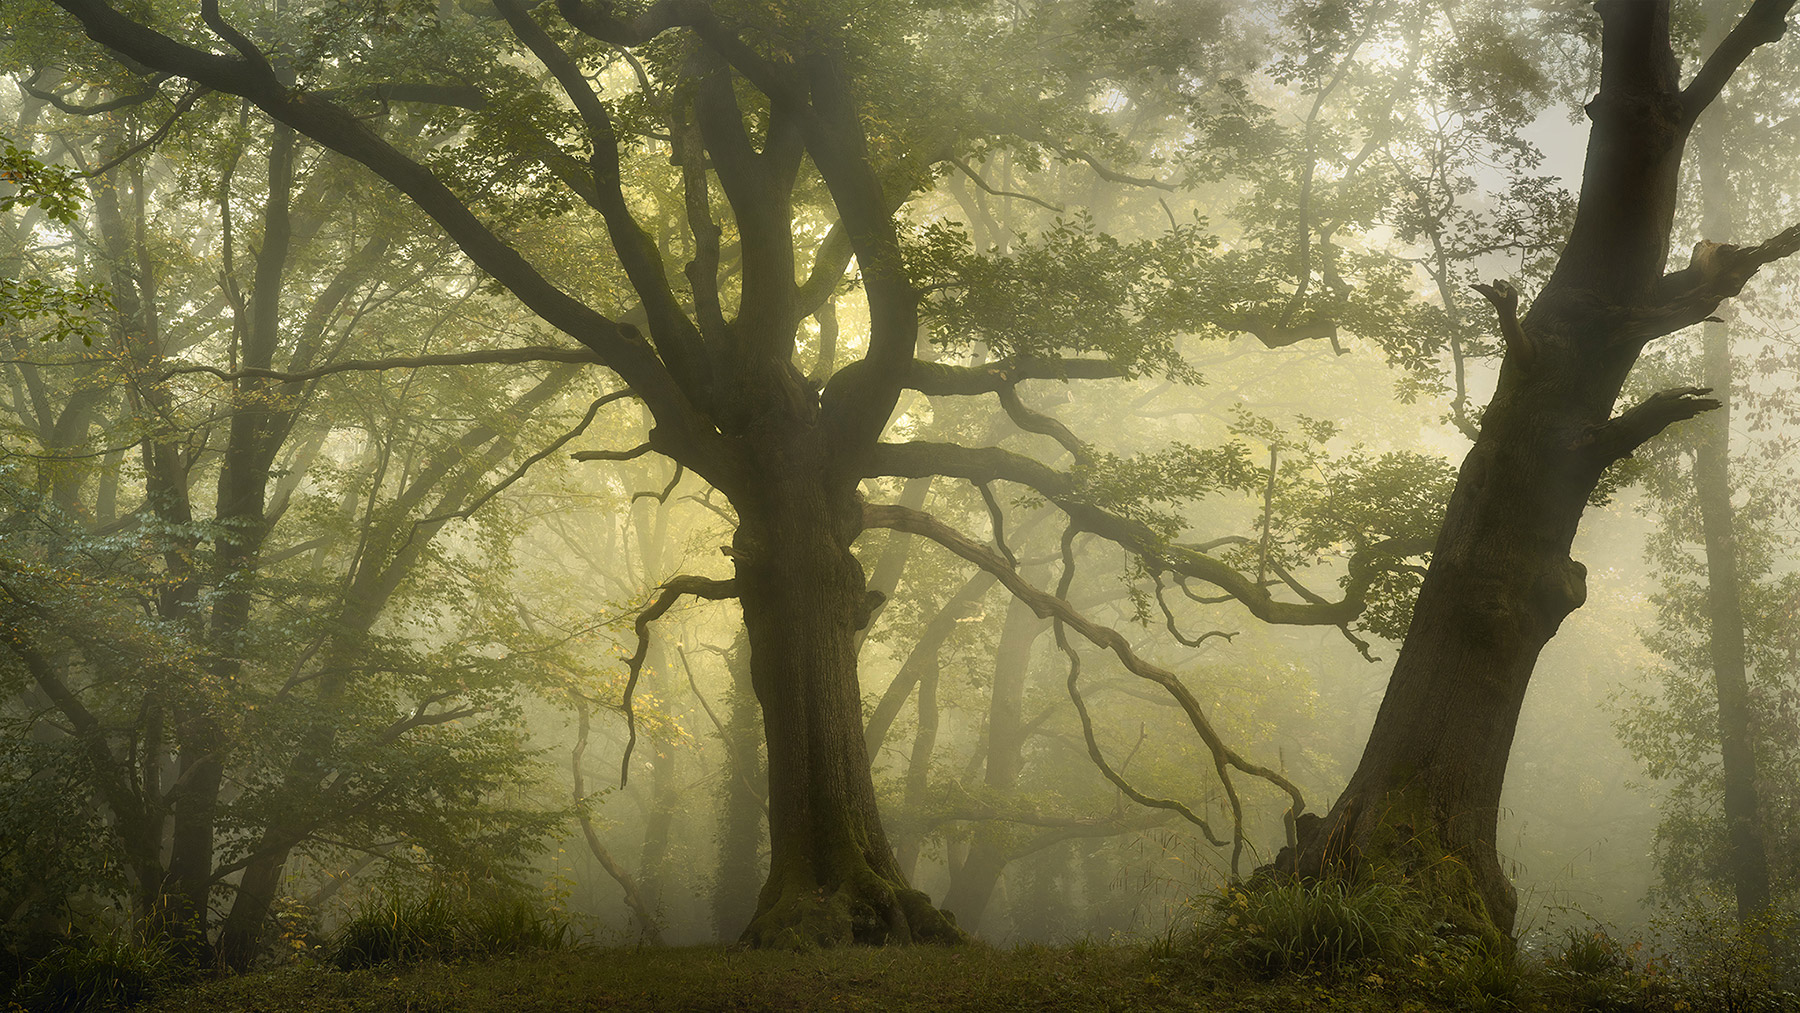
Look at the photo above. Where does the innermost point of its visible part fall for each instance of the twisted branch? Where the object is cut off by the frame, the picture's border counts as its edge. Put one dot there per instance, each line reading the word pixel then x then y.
pixel 686 584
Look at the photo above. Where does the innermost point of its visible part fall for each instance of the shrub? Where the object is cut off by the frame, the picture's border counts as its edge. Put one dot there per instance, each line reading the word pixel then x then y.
pixel 1737 968
pixel 103 974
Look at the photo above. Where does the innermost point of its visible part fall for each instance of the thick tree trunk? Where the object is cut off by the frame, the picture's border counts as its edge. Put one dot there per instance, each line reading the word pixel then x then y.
pixel 1425 796
pixel 832 877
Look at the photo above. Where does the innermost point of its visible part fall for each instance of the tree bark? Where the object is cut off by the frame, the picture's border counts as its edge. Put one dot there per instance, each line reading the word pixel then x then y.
pixel 832 877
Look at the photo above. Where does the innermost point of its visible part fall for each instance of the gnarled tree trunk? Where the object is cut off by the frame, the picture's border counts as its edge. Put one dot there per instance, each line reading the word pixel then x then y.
pixel 832 875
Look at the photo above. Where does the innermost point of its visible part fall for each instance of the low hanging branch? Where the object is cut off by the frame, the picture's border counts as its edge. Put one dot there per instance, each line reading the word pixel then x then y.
pixel 1087 724
pixel 486 357
pixel 975 177
pixel 1056 607
pixel 686 584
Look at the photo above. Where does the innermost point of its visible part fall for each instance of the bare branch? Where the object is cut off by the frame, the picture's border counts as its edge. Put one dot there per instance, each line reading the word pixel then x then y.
pixel 988 464
pixel 975 177
pixel 1111 175
pixel 1715 272
pixel 1087 721
pixel 997 519
pixel 487 357
pixel 520 471
pixel 1506 303
pixel 1169 620
pixel 1033 421
pixel 1056 607
pixel 1279 335
pixel 612 455
pixel 661 497
pixel 1619 436
pixel 28 86
pixel 686 584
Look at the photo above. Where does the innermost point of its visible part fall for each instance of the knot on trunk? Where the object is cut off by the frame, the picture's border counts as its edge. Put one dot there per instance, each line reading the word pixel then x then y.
pixel 1560 589
pixel 872 602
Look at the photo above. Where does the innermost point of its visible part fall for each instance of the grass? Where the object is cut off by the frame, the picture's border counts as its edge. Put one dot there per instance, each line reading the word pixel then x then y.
pixel 1078 978
pixel 399 927
pixel 1075 979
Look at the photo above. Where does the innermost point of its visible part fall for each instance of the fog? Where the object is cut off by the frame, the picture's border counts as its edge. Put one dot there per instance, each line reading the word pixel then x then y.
pixel 978 459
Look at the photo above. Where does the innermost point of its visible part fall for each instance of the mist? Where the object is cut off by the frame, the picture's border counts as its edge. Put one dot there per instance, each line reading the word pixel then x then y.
pixel 1053 485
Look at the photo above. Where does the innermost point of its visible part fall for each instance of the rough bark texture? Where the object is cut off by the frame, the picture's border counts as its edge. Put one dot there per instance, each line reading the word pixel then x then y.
pixel 1425 796
pixel 832 877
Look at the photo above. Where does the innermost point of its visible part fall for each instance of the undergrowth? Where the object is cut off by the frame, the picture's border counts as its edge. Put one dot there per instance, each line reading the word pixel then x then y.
pixel 102 974
pixel 1374 934
pixel 406 927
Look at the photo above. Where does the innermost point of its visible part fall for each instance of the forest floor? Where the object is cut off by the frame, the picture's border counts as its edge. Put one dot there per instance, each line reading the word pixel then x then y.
pixel 1074 978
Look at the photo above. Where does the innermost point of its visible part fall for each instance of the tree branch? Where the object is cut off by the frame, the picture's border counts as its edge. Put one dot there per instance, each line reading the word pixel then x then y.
pixel 1765 22
pixel 1619 436
pixel 975 177
pixel 488 357
pixel 988 464
pixel 525 466
pixel 1049 606
pixel 1506 303
pixel 938 379
pixel 686 584
pixel 621 348
pixel 1277 335
pixel 612 455
pixel 1715 272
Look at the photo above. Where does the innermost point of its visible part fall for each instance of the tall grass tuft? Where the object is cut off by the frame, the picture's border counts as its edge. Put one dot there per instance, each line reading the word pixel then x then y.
pixel 103 974
pixel 1293 926
pixel 399 927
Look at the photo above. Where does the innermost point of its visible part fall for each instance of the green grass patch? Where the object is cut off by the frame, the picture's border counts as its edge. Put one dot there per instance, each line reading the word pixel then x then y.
pixel 1079 979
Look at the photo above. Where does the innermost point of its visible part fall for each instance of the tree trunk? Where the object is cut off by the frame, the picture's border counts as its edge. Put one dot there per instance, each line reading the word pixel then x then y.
pixel 972 888
pixel 1425 797
pixel 832 876
pixel 741 816
pixel 1749 865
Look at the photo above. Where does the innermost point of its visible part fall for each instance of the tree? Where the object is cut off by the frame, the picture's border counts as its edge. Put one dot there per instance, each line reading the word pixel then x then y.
pixel 173 642
pixel 1501 580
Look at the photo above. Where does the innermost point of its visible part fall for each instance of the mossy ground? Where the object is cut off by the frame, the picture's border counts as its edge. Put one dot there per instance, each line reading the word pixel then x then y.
pixel 974 977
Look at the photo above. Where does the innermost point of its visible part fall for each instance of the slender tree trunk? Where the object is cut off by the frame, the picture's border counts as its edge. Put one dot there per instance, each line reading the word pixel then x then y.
pixel 972 888
pixel 1749 865
pixel 918 769
pixel 832 877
